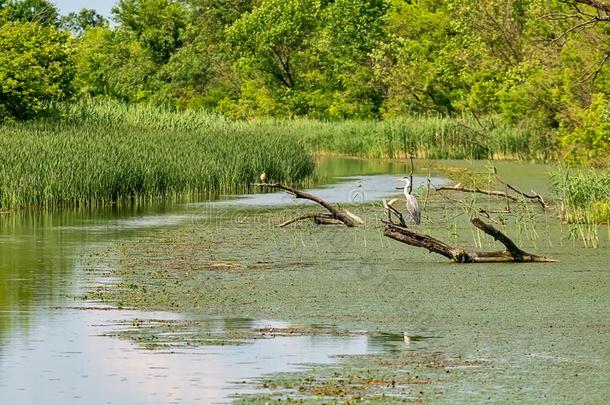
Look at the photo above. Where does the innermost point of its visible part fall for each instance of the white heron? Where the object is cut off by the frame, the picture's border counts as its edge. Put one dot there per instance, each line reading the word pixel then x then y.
pixel 263 177
pixel 412 204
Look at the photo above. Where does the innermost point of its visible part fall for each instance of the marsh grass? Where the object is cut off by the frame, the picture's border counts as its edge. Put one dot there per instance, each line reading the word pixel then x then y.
pixel 96 152
pixel 105 153
pixel 526 223
pixel 426 137
pixel 586 202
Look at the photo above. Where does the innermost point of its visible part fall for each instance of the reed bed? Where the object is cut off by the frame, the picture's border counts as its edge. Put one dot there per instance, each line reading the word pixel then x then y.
pixel 426 137
pixel 585 202
pixel 96 152
pixel 585 195
pixel 105 152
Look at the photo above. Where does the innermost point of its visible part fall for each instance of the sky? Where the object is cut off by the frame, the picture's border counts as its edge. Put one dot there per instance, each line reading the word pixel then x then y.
pixel 101 6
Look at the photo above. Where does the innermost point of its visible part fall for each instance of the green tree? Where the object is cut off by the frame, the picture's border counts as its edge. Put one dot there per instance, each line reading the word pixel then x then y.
pixel 343 51
pixel 85 18
pixel 307 57
pixel 113 63
pixel 269 37
pixel 421 61
pixel 157 24
pixel 39 11
pixel 36 68
pixel 184 80
pixel 200 73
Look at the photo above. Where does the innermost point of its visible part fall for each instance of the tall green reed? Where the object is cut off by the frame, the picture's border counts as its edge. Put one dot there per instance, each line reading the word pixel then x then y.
pixel 430 137
pixel 585 199
pixel 106 152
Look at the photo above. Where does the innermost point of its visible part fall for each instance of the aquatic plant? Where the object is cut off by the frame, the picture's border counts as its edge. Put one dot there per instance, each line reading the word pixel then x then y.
pixel 426 136
pixel 585 201
pixel 101 153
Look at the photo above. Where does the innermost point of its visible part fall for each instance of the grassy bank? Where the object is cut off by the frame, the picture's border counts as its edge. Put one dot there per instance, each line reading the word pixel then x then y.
pixel 107 152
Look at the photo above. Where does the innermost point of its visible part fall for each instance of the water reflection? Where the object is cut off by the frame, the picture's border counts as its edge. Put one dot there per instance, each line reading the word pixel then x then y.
pixel 350 190
pixel 50 355
pixel 39 249
pixel 69 361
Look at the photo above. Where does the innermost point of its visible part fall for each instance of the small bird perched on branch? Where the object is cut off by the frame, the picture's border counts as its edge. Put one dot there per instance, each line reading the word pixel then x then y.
pixel 412 204
pixel 263 177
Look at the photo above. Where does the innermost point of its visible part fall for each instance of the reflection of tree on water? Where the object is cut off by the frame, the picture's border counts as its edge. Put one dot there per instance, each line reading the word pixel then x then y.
pixel 333 167
pixel 38 252
pixel 34 265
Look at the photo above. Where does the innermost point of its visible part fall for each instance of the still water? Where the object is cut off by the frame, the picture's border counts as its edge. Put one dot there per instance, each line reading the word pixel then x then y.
pixel 54 352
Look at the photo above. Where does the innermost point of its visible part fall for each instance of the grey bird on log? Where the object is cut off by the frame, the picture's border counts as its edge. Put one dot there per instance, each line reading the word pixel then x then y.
pixel 412 204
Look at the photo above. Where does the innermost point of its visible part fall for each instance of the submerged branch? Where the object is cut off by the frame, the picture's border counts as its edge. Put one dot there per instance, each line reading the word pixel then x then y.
pixel 534 197
pixel 319 219
pixel 460 187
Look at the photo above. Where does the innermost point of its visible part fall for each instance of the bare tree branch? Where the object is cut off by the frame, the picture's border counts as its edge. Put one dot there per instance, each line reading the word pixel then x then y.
pixel 595 4
pixel 342 215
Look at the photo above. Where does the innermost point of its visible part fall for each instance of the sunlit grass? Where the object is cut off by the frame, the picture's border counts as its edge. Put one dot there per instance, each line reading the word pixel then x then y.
pixel 95 154
pixel 427 137
pixel 585 202
pixel 100 152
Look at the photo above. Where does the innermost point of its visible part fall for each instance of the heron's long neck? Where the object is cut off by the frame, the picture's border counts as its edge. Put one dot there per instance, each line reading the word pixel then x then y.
pixel 407 188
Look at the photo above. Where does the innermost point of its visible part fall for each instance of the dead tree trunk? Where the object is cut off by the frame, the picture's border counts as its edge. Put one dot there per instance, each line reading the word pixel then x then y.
pixel 512 253
pixel 337 215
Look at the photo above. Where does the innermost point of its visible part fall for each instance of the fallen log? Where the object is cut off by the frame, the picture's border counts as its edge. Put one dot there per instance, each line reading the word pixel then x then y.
pixel 336 214
pixel 512 253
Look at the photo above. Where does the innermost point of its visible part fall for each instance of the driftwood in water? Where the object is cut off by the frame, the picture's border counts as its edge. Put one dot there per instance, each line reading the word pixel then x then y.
pixel 534 197
pixel 460 187
pixel 512 253
pixel 337 215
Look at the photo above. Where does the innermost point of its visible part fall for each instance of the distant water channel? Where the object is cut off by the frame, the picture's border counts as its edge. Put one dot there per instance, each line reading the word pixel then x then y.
pixel 54 352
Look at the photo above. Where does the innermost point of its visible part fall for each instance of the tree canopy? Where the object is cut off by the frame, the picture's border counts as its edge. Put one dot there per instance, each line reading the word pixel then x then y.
pixel 538 63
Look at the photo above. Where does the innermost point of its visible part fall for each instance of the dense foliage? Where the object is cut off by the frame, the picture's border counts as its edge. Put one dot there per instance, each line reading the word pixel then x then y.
pixel 535 64
pixel 35 67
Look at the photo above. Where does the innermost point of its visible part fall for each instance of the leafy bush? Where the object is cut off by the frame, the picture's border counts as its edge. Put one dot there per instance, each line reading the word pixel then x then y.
pixel 590 141
pixel 36 68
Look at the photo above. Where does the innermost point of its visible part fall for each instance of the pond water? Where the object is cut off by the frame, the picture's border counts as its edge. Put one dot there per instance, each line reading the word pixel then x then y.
pixel 543 325
pixel 54 353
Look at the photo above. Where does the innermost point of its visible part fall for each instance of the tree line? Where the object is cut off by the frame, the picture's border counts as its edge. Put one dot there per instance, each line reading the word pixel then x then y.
pixel 537 63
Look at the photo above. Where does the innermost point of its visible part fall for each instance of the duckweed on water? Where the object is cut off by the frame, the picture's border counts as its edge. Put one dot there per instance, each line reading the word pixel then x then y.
pixel 506 332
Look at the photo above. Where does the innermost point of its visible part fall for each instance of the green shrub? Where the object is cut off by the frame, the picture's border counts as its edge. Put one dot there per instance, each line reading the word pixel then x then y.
pixel 36 68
